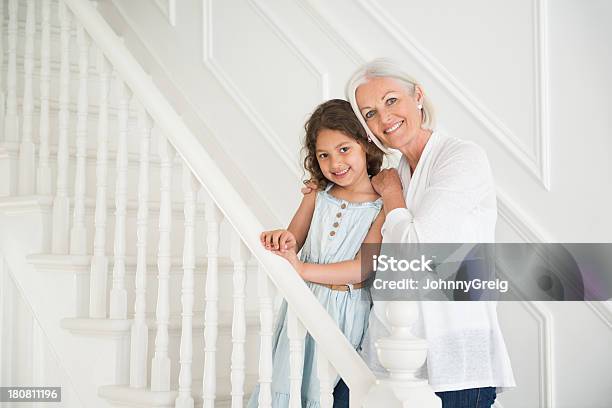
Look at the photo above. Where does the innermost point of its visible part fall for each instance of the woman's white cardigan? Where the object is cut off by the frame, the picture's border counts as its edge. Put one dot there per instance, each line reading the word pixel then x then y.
pixel 450 199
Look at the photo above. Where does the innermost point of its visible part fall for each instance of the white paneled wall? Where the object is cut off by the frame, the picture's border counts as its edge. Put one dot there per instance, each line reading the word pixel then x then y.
pixel 527 80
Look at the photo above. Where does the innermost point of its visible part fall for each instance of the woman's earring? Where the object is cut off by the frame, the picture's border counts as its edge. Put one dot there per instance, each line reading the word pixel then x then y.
pixel 369 139
pixel 419 106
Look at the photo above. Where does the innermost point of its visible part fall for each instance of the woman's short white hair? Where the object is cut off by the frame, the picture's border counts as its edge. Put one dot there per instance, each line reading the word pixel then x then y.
pixel 383 67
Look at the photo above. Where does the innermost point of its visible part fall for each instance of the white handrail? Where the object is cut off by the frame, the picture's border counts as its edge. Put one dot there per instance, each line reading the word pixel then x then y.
pixel 332 343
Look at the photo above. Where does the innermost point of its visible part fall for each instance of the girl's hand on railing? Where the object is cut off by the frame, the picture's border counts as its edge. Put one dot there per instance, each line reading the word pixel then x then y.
pixel 309 187
pixel 278 240
pixel 291 256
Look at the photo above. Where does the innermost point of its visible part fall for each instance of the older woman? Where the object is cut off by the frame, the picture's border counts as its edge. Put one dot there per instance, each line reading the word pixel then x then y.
pixel 442 191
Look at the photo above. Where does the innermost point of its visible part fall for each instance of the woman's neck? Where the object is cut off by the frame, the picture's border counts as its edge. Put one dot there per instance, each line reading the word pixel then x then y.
pixel 414 149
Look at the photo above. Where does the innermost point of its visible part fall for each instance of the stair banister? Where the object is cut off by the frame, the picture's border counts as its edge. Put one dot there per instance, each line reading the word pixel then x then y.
pixel 332 343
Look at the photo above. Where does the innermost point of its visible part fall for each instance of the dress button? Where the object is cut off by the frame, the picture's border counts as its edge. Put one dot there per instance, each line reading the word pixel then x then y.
pixel 336 225
pixel 343 206
pixel 332 233
pixel 338 215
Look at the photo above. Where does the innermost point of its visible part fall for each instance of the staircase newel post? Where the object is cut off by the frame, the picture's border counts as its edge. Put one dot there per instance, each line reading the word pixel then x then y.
pixel 27 159
pixel 211 314
pixel 160 366
pixel 139 339
pixel 240 255
pixel 403 355
pixel 99 261
pixel 43 175
pixel 11 120
pixel 118 296
pixel 184 399
pixel 61 204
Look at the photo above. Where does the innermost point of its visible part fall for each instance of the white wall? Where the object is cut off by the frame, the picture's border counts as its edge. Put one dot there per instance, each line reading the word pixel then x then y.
pixel 27 357
pixel 528 80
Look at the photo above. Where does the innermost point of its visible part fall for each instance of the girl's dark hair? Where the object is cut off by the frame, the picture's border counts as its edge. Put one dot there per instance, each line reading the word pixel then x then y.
pixel 336 114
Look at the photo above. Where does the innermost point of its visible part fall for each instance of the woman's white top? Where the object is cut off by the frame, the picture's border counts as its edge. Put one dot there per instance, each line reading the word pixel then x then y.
pixel 449 199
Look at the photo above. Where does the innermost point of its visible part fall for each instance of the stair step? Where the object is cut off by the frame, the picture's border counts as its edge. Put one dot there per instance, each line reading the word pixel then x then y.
pixel 126 396
pixel 81 263
pixel 113 327
pixel 97 327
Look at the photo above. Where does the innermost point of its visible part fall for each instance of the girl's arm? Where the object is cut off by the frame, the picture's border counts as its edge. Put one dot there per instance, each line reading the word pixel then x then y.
pixel 340 273
pixel 295 234
pixel 300 224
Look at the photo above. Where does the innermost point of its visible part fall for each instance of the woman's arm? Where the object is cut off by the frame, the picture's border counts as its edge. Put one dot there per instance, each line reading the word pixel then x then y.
pixel 340 273
pixel 460 181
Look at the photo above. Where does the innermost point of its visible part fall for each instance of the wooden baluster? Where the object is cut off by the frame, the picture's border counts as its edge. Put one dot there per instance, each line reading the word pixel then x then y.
pixel 184 399
pixel 211 314
pixel 266 319
pixel 139 339
pixel 118 296
pixel 99 261
pixel 160 371
pixel 78 233
pixel 11 120
pixel 27 160
pixel 61 204
pixel 296 333
pixel 240 255
pixel 327 374
pixel 43 175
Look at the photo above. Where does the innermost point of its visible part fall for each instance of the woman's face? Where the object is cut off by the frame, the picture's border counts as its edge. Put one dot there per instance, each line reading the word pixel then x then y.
pixel 390 111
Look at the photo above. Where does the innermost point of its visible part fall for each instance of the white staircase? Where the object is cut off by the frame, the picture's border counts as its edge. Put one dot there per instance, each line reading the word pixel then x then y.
pixel 135 255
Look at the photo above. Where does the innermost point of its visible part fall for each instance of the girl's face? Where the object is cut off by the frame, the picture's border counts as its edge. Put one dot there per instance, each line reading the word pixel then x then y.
pixel 390 111
pixel 341 158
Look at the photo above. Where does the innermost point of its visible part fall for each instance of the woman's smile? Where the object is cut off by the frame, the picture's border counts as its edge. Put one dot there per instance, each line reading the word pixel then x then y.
pixel 393 127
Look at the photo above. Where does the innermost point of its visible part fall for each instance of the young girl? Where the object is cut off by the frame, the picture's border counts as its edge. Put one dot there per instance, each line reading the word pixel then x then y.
pixel 329 227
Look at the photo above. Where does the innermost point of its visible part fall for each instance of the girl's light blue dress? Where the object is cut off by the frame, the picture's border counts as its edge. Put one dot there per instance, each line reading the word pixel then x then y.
pixel 337 229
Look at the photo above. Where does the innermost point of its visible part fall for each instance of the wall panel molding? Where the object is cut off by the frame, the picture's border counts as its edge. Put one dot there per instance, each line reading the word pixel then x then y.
pixel 538 164
pixel 525 227
pixel 168 9
pixel 311 63
pixel 544 318
pixel 331 33
pixel 603 310
pixel 529 231
pixel 234 91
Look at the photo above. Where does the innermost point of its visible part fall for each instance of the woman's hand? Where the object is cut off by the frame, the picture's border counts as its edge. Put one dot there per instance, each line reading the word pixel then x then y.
pixel 277 240
pixel 388 185
pixel 388 180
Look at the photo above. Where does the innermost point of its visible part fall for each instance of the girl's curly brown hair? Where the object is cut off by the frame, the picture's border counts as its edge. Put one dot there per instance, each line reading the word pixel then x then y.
pixel 336 114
